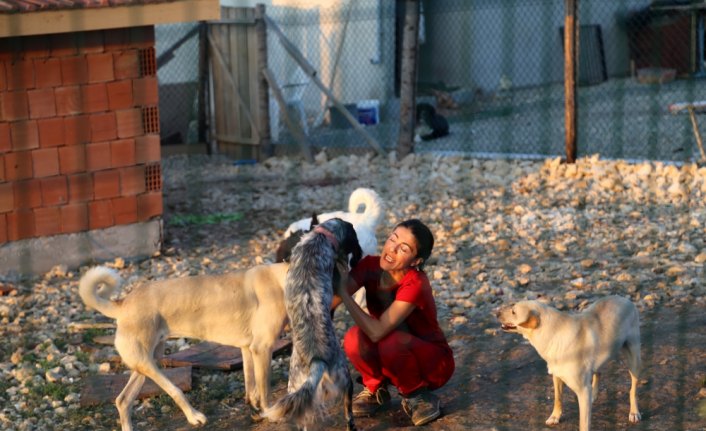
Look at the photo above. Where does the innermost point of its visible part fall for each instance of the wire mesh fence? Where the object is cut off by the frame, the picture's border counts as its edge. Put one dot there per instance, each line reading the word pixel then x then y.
pixel 493 69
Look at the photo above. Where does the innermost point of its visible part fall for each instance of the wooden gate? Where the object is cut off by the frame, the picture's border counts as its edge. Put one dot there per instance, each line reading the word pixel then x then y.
pixel 240 116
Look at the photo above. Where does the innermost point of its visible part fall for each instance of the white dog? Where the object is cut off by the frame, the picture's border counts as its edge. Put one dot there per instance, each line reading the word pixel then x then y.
pixel 575 346
pixel 365 223
pixel 244 309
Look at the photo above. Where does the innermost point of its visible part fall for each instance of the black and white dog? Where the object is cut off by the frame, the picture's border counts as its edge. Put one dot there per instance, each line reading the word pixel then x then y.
pixel 318 369
pixel 430 124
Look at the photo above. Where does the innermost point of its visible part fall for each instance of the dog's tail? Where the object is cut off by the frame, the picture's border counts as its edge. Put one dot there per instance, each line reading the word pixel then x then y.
pixel 300 406
pixel 373 204
pixel 88 290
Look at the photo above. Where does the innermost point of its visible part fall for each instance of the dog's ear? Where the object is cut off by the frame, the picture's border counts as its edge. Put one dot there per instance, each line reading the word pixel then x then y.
pixel 532 321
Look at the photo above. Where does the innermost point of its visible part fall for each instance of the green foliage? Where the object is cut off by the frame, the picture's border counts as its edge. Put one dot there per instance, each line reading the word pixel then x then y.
pixel 205 219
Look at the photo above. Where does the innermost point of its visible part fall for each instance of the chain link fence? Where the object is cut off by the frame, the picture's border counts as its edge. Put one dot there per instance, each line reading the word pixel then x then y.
pixel 492 68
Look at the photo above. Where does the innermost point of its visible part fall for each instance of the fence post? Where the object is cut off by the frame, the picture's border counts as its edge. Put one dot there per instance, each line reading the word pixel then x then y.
pixel 203 85
pixel 262 86
pixel 408 78
pixel 571 37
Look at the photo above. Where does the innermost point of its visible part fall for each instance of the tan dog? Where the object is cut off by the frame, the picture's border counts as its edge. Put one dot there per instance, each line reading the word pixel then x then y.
pixel 243 309
pixel 575 346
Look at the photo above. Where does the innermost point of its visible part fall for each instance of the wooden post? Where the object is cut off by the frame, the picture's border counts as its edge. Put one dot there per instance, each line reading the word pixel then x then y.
pixel 408 78
pixel 262 93
pixel 571 37
pixel 203 84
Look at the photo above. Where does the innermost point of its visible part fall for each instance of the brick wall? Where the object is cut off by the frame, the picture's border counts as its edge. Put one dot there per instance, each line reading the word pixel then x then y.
pixel 79 132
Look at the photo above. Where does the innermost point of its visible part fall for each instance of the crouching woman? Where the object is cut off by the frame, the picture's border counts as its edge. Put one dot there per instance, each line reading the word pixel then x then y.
pixel 400 342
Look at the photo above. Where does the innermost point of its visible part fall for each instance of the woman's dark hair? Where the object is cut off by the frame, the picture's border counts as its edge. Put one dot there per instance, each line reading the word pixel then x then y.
pixel 425 239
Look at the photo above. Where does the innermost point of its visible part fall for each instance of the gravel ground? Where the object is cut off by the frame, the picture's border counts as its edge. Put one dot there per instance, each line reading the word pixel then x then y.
pixel 505 230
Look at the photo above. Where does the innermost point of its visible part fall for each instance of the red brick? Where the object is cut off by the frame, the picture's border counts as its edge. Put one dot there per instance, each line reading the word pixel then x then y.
pixel 106 184
pixel 47 221
pixel 63 45
pixel 55 191
pixel 18 165
pixel 3 228
pixel 145 91
pixel 103 127
pixel 68 100
pixel 126 64
pixel 41 103
pixel 74 70
pixel 35 46
pixel 7 197
pixel 20 225
pixel 2 168
pixel 45 162
pixel 94 98
pixel 5 141
pixel 129 123
pixel 3 77
pixel 147 149
pixel 90 41
pixel 142 37
pixel 125 210
pixel 72 159
pixel 14 105
pixel 28 194
pixel 116 39
pixel 132 180
pixel 20 74
pixel 100 214
pixel 47 72
pixel 122 153
pixel 10 48
pixel 149 205
pixel 100 67
pixel 77 130
pixel 98 156
pixel 24 135
pixel 51 132
pixel 80 188
pixel 74 218
pixel 120 95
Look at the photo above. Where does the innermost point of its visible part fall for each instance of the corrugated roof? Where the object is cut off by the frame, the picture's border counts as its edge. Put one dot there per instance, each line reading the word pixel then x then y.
pixel 24 6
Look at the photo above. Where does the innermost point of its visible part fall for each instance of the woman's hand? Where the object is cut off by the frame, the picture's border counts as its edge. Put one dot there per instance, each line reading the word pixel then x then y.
pixel 342 268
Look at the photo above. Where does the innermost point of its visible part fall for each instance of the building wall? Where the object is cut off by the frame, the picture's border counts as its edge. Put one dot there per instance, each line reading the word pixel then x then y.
pixel 79 132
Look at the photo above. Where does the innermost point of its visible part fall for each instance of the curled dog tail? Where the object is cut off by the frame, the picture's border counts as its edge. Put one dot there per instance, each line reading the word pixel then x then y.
pixel 299 406
pixel 88 290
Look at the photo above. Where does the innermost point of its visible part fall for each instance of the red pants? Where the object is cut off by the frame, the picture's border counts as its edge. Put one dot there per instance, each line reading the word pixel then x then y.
pixel 404 360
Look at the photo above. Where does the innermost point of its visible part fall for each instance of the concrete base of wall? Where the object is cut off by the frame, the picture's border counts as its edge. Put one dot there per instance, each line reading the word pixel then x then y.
pixel 37 256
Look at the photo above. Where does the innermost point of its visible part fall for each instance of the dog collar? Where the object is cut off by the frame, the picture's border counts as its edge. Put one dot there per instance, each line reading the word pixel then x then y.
pixel 331 238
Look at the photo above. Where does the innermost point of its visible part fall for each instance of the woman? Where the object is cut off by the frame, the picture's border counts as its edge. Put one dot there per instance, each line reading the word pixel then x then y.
pixel 400 341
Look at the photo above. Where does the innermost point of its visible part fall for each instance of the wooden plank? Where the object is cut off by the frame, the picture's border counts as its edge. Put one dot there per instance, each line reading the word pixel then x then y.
pixel 215 356
pixel 105 388
pixel 85 19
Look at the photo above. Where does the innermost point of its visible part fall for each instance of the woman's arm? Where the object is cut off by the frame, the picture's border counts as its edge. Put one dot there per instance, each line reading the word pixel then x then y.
pixel 375 329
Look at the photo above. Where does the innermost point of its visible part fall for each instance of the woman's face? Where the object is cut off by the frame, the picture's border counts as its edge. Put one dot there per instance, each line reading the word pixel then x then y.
pixel 399 251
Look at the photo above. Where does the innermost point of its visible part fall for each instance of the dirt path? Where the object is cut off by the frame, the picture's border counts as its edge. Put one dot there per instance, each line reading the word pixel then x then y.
pixel 501 384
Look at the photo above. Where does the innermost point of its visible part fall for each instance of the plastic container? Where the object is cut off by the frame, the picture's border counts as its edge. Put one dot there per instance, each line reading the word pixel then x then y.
pixel 369 112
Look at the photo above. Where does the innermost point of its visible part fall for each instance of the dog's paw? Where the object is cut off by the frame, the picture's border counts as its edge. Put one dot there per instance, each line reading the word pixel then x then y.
pixel 634 417
pixel 256 414
pixel 197 418
pixel 553 420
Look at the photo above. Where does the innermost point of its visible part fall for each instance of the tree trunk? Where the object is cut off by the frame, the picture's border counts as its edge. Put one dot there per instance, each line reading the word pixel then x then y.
pixel 408 79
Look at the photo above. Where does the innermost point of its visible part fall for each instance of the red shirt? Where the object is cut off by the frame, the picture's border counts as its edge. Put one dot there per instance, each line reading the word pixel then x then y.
pixel 413 288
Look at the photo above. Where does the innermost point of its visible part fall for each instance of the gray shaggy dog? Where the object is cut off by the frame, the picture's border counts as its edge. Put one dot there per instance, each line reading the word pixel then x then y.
pixel 318 369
